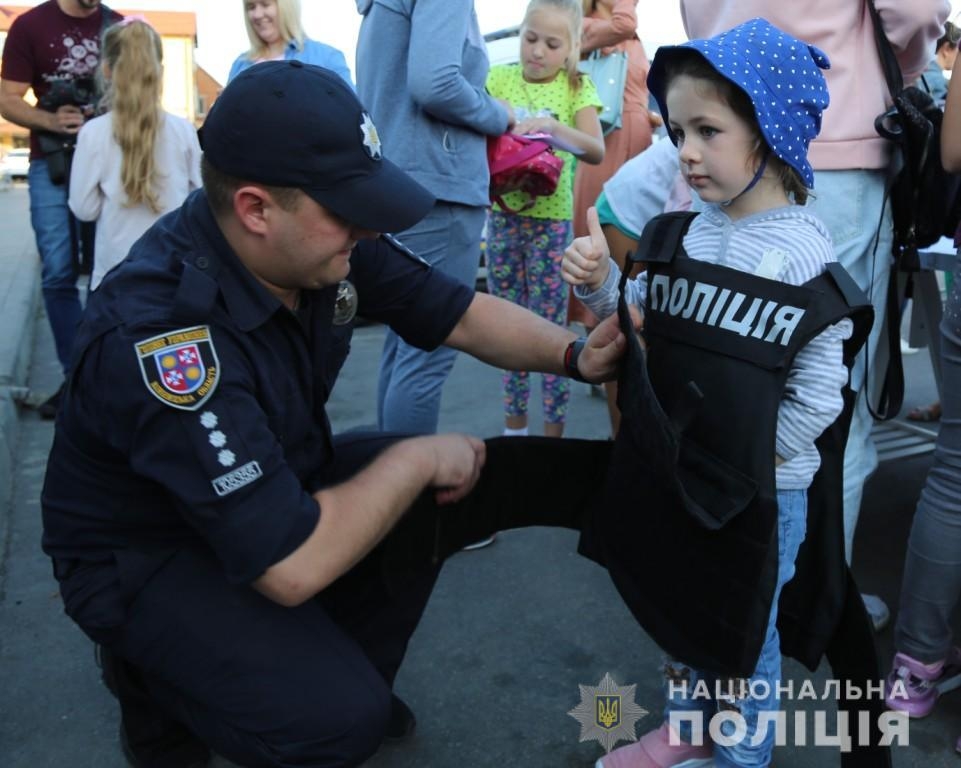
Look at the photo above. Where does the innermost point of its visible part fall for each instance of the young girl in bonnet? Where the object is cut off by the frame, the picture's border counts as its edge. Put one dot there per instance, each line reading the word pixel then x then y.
pixel 742 108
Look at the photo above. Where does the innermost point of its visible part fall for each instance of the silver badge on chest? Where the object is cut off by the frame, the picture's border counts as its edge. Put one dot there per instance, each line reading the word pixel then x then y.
pixel 345 305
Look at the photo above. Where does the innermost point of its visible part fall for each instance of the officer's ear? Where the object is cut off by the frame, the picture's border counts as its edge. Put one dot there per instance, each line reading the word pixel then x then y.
pixel 250 203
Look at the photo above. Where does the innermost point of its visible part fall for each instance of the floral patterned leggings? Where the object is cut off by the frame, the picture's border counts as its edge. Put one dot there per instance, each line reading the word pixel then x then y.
pixel 524 257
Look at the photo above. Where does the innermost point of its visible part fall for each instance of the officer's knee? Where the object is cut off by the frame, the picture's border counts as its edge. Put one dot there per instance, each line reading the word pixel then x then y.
pixel 362 729
pixel 338 736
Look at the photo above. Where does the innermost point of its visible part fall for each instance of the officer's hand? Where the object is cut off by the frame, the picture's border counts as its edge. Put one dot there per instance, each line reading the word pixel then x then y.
pixel 601 357
pixel 68 119
pixel 458 462
pixel 587 261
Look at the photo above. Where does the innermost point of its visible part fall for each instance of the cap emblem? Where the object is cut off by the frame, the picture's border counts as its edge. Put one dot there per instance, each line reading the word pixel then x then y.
pixel 371 138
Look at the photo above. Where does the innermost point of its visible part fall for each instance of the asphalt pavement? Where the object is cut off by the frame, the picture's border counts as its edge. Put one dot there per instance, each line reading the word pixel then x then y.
pixel 510 635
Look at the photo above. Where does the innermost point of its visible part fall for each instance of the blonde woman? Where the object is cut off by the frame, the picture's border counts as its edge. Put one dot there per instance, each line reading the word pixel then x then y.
pixel 609 26
pixel 276 33
pixel 137 161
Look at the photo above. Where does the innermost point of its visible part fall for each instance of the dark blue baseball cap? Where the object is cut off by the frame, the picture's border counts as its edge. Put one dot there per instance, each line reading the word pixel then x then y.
pixel 290 124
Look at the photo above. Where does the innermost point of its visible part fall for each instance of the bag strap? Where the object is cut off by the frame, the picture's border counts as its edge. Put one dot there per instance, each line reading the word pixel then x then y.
pixel 661 237
pixel 530 148
pixel 889 62
pixel 891 396
pixel 505 207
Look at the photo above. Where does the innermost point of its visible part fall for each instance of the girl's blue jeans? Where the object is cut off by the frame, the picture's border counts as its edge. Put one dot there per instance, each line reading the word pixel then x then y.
pixel 756 694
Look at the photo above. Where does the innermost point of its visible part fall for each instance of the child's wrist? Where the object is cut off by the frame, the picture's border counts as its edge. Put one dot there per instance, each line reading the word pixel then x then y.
pixel 599 276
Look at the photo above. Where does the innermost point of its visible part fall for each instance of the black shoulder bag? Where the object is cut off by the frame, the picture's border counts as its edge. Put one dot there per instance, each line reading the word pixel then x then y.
pixel 924 198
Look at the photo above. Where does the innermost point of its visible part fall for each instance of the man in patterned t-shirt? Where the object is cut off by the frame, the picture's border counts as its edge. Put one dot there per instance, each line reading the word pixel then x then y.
pixel 53 49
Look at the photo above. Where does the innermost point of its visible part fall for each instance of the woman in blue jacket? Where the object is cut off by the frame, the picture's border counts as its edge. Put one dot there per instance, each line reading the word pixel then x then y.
pixel 276 32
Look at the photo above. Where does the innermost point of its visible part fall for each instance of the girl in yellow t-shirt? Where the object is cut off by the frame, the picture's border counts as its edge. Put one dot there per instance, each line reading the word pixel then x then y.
pixel 525 249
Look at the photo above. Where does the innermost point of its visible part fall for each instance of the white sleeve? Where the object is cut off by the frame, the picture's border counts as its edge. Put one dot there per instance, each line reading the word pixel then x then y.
pixel 86 195
pixel 603 301
pixel 194 181
pixel 812 396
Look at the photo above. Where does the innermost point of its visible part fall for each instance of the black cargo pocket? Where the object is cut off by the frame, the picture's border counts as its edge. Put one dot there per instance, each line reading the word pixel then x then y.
pixel 713 492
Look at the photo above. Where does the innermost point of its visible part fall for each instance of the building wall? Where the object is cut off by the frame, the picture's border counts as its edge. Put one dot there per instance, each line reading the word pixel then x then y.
pixel 180 86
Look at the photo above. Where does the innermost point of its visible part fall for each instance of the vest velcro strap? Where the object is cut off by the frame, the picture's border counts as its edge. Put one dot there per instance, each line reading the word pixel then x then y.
pixel 662 235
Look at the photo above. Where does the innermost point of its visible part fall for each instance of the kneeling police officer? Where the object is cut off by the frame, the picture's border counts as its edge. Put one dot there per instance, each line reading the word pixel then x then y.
pixel 252 579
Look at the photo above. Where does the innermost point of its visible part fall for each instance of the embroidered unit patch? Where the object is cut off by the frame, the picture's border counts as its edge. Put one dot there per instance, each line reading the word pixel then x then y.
pixel 180 368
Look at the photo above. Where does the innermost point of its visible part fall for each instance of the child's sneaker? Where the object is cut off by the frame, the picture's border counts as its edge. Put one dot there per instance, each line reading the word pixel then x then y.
pixel 654 750
pixel 922 683
pixel 951 677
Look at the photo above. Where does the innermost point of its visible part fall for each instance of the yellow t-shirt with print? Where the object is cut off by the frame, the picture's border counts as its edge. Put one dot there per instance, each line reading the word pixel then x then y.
pixel 557 99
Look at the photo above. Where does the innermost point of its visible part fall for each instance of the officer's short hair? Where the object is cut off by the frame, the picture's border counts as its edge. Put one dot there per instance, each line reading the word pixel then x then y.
pixel 220 188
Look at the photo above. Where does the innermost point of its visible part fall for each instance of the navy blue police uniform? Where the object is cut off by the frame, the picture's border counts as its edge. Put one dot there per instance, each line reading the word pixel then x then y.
pixel 193 434
pixel 183 468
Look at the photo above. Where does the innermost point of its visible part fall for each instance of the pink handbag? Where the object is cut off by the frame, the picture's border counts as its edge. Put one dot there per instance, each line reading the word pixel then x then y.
pixel 521 164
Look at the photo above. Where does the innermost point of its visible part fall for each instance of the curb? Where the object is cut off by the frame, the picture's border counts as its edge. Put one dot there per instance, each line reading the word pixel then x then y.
pixel 19 304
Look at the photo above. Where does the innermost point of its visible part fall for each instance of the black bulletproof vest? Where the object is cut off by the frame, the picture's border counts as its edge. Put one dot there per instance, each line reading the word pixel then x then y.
pixel 687 528
pixel 703 497
pixel 687 522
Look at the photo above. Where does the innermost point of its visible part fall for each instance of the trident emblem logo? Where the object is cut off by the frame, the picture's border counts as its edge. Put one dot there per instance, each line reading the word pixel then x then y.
pixel 608 711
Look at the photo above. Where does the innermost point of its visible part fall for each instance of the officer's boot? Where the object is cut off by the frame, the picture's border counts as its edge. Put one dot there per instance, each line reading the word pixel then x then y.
pixel 149 738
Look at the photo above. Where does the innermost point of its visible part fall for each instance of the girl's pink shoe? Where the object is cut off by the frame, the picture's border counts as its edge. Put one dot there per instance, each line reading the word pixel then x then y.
pixel 654 750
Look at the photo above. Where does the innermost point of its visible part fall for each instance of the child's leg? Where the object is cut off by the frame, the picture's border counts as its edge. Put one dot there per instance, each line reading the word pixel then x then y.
pixel 682 739
pixel 507 242
pixel 759 692
pixel 688 691
pixel 548 294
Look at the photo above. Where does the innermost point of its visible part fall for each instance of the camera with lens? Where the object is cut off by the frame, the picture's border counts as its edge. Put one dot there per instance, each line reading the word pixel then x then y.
pixel 57 148
pixel 79 92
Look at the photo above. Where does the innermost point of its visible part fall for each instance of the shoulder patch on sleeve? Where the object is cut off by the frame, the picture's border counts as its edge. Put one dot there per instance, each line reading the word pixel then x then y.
pixel 180 368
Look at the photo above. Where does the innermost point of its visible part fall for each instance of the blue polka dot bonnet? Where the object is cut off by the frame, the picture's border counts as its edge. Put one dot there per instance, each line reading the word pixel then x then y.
pixel 779 73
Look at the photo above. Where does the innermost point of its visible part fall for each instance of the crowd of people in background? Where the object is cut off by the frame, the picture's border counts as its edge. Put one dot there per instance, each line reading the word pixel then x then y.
pixel 104 150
